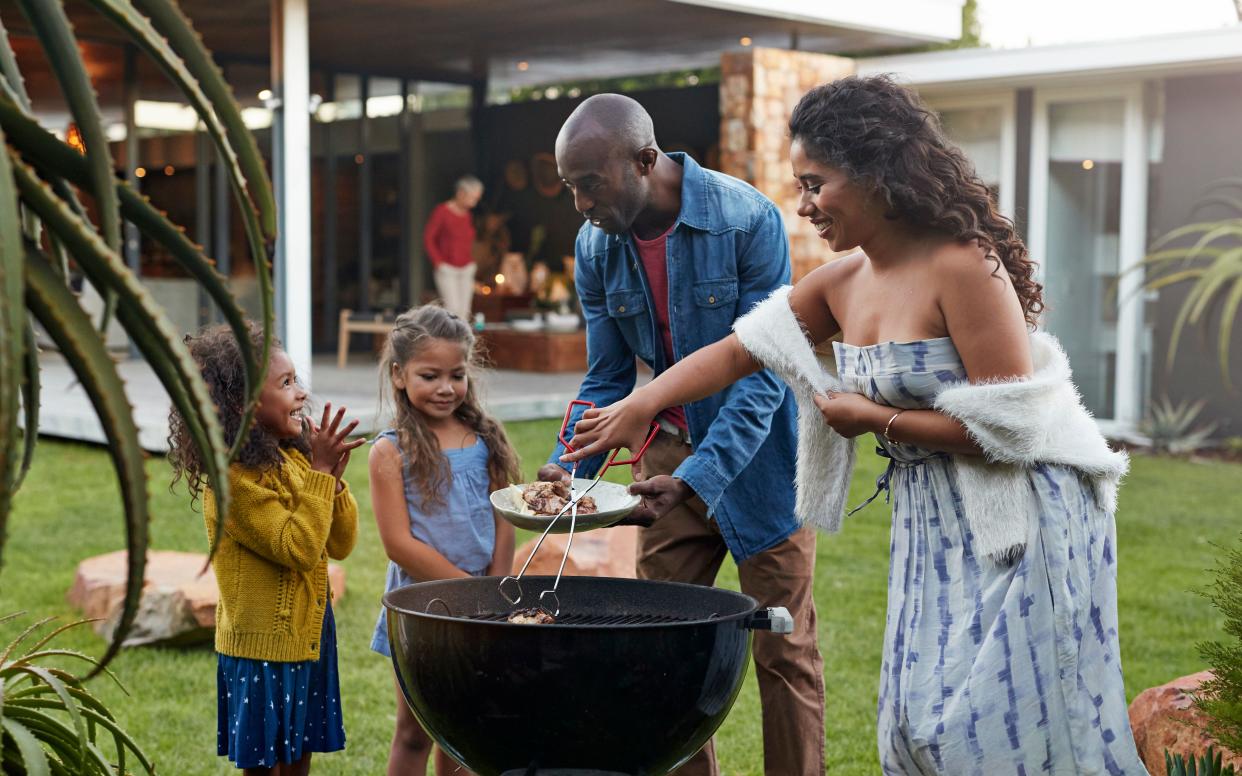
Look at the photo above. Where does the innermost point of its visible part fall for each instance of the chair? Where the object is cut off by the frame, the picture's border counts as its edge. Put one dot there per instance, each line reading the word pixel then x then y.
pixel 373 323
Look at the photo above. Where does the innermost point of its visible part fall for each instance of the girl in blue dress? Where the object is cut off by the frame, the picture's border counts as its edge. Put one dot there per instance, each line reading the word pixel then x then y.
pixel 431 475
pixel 1000 650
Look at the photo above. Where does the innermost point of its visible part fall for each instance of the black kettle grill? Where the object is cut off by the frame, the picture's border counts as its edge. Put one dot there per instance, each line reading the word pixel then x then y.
pixel 631 680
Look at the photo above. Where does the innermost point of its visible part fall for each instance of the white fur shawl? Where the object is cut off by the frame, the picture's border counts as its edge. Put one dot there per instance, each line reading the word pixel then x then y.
pixel 1018 423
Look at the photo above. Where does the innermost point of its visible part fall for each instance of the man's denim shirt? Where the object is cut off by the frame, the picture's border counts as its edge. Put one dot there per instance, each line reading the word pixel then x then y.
pixel 726 252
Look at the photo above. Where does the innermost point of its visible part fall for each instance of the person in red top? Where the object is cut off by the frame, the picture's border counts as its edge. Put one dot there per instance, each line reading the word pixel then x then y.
pixel 449 240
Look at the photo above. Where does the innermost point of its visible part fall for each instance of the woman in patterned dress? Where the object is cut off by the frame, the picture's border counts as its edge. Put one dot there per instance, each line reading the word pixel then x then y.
pixel 996 660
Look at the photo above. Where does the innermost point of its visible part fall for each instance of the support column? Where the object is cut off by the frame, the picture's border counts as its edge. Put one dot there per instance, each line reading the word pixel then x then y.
pixel 202 213
pixel 404 255
pixel 331 299
pixel 758 90
pixel 131 238
pixel 364 197
pixel 418 206
pixel 291 146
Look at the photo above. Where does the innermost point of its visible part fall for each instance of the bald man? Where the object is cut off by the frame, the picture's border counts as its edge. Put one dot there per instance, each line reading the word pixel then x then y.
pixel 670 255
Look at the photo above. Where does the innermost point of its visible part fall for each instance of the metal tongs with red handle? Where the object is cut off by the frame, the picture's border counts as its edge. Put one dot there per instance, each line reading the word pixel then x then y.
pixel 572 509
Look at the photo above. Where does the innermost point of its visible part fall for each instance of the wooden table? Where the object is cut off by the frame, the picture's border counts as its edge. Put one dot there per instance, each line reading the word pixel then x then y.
pixel 534 351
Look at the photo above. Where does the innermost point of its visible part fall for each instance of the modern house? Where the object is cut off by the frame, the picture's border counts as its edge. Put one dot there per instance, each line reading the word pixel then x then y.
pixel 370 110
pixel 1096 150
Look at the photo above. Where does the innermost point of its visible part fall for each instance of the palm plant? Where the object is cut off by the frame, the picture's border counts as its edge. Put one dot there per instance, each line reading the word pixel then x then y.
pixel 1212 264
pixel 44 226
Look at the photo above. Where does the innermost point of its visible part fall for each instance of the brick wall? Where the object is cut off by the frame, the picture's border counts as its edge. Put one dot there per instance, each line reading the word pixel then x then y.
pixel 759 88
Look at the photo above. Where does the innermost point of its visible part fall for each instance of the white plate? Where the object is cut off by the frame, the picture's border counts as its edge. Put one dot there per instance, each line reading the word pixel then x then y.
pixel 614 502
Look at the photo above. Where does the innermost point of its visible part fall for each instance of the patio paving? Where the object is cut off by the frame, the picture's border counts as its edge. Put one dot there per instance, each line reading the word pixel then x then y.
pixel 66 412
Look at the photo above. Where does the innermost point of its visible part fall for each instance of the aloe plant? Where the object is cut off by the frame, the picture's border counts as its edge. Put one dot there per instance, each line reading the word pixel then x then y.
pixel 1212 264
pixel 1211 763
pixel 44 225
pixel 1171 427
pixel 51 723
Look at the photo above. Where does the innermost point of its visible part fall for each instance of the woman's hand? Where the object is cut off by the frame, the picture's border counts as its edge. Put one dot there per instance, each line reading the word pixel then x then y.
pixel 624 424
pixel 851 414
pixel 329 443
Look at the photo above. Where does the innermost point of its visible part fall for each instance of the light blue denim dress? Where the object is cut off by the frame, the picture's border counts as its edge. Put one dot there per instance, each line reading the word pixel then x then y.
pixel 990 670
pixel 462 528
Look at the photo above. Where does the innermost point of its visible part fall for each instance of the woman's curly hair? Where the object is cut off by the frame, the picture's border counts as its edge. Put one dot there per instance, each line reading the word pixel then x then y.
pixel 424 463
pixel 216 351
pixel 881 135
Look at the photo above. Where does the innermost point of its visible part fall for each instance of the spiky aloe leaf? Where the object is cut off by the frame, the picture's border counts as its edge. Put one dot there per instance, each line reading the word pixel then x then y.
pixel 9 69
pixel 69 327
pixel 247 175
pixel 34 761
pixel 170 22
pixel 65 700
pixel 144 321
pixel 30 405
pixel 13 344
pixel 55 34
pixel 48 152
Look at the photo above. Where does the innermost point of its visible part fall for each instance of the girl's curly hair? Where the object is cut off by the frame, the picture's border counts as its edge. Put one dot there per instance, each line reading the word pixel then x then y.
pixel 216 351
pixel 424 464
pixel 882 136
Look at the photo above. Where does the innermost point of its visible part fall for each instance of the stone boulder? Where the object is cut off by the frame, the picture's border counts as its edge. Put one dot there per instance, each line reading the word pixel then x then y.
pixel 178 604
pixel 1165 717
pixel 606 552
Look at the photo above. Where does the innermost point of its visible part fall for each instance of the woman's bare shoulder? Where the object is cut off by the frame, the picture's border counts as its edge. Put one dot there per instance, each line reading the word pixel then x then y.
pixel 958 262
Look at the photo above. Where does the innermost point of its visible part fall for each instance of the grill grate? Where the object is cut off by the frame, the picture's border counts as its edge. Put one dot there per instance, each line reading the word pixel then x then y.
pixel 594 619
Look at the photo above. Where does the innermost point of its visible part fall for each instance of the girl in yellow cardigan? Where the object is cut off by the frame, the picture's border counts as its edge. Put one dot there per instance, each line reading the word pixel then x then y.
pixel 276 680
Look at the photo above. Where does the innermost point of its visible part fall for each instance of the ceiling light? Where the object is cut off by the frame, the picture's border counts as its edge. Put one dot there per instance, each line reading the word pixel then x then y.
pixel 745 40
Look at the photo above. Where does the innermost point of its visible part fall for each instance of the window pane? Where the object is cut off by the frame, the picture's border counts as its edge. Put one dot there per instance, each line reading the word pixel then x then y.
pixel 1083 239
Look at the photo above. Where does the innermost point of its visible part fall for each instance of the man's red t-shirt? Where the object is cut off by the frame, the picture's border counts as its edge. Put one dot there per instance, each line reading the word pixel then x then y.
pixel 653 254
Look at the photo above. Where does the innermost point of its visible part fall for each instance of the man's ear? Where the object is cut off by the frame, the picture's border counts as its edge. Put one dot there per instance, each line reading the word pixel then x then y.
pixel 647 160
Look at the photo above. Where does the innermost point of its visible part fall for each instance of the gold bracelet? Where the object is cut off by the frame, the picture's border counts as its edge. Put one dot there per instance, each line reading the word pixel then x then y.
pixel 889 425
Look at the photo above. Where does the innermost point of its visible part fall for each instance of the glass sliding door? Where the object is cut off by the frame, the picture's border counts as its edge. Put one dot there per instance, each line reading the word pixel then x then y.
pixel 1088 200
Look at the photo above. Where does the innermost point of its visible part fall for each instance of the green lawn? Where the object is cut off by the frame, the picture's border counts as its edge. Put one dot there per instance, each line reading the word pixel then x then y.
pixel 1173 514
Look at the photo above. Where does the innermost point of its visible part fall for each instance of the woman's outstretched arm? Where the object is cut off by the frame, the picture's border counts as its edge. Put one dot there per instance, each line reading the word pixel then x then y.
pixel 704 372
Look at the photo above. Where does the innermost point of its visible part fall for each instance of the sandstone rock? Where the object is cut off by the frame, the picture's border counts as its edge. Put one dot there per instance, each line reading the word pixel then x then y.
pixel 178 603
pixel 608 552
pixel 1165 717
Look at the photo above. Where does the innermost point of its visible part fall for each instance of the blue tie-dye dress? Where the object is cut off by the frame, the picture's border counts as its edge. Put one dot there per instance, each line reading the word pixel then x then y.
pixel 990 670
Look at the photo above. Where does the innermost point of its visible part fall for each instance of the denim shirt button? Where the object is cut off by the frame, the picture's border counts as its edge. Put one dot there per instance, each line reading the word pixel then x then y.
pixel 621 309
pixel 711 300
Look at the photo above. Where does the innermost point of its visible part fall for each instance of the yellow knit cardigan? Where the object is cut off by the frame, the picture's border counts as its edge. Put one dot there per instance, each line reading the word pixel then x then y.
pixel 272 561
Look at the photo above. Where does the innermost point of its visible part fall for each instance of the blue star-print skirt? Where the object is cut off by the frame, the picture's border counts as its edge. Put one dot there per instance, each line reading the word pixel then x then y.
pixel 272 712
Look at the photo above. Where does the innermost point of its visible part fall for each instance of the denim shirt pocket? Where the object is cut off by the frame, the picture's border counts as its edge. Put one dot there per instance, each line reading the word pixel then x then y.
pixel 717 298
pixel 628 309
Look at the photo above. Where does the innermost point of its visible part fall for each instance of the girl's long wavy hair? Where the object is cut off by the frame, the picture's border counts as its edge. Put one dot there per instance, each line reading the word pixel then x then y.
pixel 218 356
pixel 883 137
pixel 424 464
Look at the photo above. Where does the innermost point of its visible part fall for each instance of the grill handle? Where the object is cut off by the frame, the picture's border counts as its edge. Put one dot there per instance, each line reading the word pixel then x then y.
pixel 776 619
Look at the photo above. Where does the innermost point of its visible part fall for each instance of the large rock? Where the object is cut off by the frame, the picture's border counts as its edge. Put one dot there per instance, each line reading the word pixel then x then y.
pixel 606 552
pixel 1165 717
pixel 178 604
